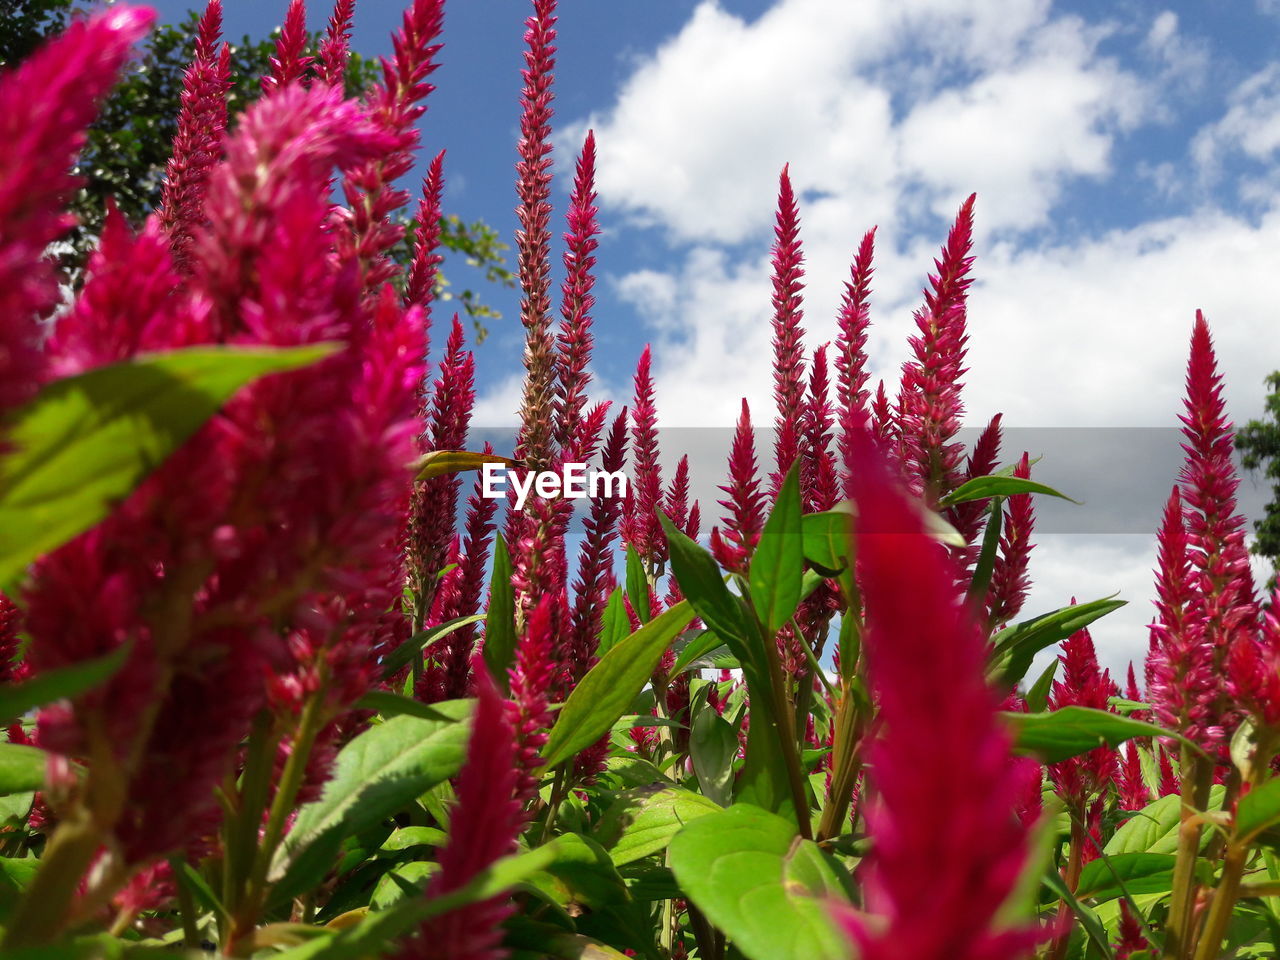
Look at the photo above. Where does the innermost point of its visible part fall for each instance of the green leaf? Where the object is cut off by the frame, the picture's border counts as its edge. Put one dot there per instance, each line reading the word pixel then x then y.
pixel 700 581
pixel 1258 809
pixel 1089 921
pixel 765 887
pixel 777 566
pixel 827 543
pixel 1154 828
pixel 984 488
pixel 394 705
pixel 60 684
pixel 638 585
pixel 499 649
pixel 697 648
pixel 713 745
pixel 643 820
pixel 606 692
pixel 1127 873
pixel 1013 648
pixel 614 626
pixel 403 655
pixel 376 932
pixel 410 838
pixel 1072 731
pixel 1038 695
pixel 402 880
pixel 85 442
pixel 377 773
pixel 581 874
pixel 21 768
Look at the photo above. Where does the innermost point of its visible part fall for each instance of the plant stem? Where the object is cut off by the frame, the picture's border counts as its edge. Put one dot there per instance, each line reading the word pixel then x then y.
pixel 784 721
pixel 1075 863
pixel 186 905
pixel 846 765
pixel 1224 900
pixel 1195 791
pixel 44 908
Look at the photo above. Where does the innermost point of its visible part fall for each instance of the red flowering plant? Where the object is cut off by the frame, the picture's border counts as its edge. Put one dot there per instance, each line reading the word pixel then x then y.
pixel 275 684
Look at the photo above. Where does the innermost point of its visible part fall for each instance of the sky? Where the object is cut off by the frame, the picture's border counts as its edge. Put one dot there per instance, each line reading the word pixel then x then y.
pixel 1123 154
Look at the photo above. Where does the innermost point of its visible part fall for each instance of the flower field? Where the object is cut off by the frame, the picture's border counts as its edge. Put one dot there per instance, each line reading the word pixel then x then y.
pixel 287 673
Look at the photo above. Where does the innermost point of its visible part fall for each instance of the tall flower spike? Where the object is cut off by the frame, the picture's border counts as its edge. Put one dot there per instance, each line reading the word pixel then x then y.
pixel 640 526
pixel 788 335
pixel 744 503
pixel 1082 684
pixel 425 269
pixel 1009 578
pixel 335 48
pixel 929 407
pixel 531 678
pixel 575 339
pixel 851 352
pixel 1215 528
pixel 290 62
pixel 884 426
pixel 819 481
pixel 595 561
pixel 533 236
pixel 926 663
pixel 45 106
pixel 967 517
pixel 483 828
pixel 1179 667
pixel 197 146
pixel 364 230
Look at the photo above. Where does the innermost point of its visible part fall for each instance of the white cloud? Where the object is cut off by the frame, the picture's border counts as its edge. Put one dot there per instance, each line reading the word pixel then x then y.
pixel 1251 125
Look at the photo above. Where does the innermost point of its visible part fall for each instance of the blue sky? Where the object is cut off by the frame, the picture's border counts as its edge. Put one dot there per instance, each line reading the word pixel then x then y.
pixel 1123 154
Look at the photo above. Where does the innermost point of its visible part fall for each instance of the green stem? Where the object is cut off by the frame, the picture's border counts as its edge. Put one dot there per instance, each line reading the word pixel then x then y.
pixel 1195 777
pixel 1224 901
pixel 295 768
pixel 44 908
pixel 987 558
pixel 186 905
pixel 784 720
pixel 846 765
pixel 1075 863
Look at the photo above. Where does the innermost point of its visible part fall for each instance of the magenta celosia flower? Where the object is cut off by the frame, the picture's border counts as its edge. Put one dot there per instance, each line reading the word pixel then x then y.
pixel 1179 674
pixel 967 518
pixel 435 501
pixel 744 519
pixel 940 736
pixel 260 548
pixel 929 407
pixel 11 669
pixel 365 231
pixel 1253 670
pixel 884 424
pixel 575 339
pixel 425 269
pixel 1010 580
pixel 1218 555
pixel 1082 683
pixel 334 49
pixel 483 828
pixel 197 146
pixel 788 335
pixel 531 678
pixel 851 353
pixel 820 483
pixel 640 525
pixel 533 236
pixel 1130 938
pixel 290 64
pixel 45 106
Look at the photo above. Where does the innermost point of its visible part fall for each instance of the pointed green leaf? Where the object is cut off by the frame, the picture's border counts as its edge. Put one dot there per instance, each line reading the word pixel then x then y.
pixel 827 541
pixel 984 488
pixel 85 442
pixel 643 820
pixel 1127 873
pixel 1072 731
pixel 61 684
pixel 615 626
pixel 403 655
pixel 1258 809
pixel 606 692
pixel 1013 648
pixel 760 883
pixel 713 745
pixel 777 566
pixel 638 585
pixel 700 581
pixel 500 622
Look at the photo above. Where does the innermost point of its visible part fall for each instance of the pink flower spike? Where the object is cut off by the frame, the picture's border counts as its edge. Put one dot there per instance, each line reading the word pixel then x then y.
pixel 46 104
pixel 197 146
pixel 1082 684
pixel 531 679
pixel 575 340
pixel 485 824
pixel 851 352
pixel 926 663
pixel 745 503
pixel 334 49
pixel 533 236
pixel 290 62
pixel 427 258
pixel 640 526
pixel 788 335
pixel 1010 580
pixel 819 482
